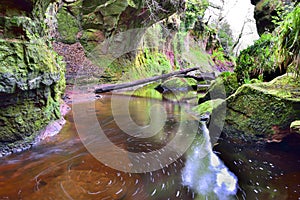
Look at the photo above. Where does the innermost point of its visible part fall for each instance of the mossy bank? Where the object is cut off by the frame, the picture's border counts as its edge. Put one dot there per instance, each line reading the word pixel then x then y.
pixel 31 75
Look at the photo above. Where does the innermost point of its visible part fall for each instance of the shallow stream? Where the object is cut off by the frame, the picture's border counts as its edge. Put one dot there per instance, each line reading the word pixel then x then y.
pixel 63 167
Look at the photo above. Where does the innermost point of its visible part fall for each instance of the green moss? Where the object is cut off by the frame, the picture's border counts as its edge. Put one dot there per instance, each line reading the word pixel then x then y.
pixel 195 56
pixel 224 86
pixel 25 119
pixel 68 26
pixel 151 63
pixel 91 38
pixel 285 86
pixel 256 108
pixel 176 83
pixel 147 91
pixel 75 8
pixel 31 83
pixel 27 65
pixel 18 27
pixel 113 7
pixel 207 107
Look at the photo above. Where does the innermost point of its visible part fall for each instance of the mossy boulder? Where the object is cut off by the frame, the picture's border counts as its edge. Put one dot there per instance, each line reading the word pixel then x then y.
pixel 177 83
pixel 207 107
pixel 224 85
pixel 254 111
pixel 146 91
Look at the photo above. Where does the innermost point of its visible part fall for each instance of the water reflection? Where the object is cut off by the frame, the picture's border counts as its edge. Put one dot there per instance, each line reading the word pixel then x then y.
pixel 206 173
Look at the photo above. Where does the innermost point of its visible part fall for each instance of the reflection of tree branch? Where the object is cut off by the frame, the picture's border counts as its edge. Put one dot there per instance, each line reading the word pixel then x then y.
pixel 239 37
pixel 214 6
pixel 247 20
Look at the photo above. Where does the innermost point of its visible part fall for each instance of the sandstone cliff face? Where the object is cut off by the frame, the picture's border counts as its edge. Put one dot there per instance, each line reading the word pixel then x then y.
pixel 31 73
pixel 91 21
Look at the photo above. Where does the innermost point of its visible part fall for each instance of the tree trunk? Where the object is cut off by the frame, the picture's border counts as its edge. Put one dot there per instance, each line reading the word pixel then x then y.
pixel 143 81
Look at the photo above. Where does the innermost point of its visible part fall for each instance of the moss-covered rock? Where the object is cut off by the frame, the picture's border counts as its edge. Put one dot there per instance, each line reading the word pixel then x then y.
pixel 31 73
pixel 255 110
pixel 146 91
pixel 177 83
pixel 31 83
pixel 224 85
pixel 68 26
pixel 207 107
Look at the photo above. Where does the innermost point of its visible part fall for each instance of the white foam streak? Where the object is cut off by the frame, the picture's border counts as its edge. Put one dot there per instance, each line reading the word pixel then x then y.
pixel 206 173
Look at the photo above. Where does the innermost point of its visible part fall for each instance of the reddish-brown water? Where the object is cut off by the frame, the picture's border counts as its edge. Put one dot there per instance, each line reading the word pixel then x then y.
pixel 62 168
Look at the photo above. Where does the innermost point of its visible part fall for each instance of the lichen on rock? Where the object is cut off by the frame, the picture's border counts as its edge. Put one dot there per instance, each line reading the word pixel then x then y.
pixel 31 75
pixel 224 85
pixel 254 110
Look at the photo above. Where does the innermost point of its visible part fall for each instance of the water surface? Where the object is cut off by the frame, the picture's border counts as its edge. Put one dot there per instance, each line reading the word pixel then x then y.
pixel 62 168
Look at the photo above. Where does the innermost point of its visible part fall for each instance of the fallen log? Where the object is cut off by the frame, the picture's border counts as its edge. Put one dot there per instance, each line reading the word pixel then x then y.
pixel 143 81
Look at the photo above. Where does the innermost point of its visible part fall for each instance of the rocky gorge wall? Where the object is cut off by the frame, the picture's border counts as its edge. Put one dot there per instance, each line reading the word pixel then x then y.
pixel 31 73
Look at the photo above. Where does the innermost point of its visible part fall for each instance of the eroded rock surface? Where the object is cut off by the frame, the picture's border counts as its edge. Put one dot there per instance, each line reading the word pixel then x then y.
pixel 31 73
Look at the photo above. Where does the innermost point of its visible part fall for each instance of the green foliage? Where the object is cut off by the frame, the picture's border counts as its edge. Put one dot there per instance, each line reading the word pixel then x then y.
pixel 219 54
pixel 257 59
pixel 147 63
pixel 288 41
pixel 151 63
pixel 68 26
pixel 282 10
pixel 194 10
pixel 225 37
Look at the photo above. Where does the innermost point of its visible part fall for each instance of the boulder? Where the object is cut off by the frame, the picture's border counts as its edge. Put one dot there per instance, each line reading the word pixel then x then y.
pixel 176 83
pixel 224 85
pixel 257 111
pixel 207 107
